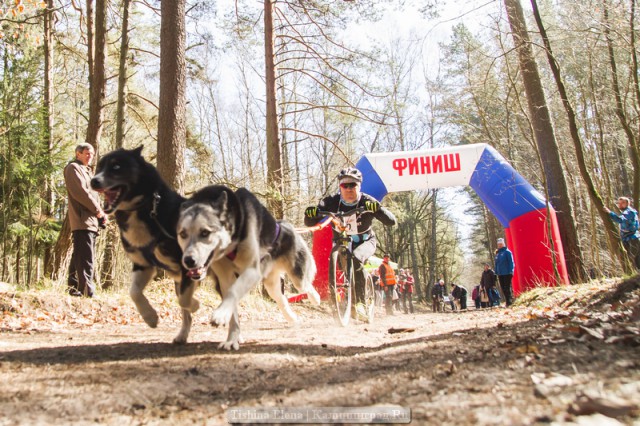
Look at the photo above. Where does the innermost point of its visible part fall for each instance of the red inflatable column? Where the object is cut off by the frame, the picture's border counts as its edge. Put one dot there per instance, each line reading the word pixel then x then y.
pixel 534 243
pixel 322 243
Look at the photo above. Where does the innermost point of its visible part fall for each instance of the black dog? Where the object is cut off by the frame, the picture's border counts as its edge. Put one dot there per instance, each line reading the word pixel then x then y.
pixel 146 211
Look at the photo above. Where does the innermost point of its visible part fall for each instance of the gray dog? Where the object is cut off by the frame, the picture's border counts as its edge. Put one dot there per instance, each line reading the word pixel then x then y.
pixel 233 237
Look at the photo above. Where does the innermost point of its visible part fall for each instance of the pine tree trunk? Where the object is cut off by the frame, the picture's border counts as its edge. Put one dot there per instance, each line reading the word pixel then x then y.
pixel 620 109
pixel 111 234
pixel 274 153
pixel 98 76
pixel 121 109
pixel 171 117
pixel 62 251
pixel 434 242
pixel 48 110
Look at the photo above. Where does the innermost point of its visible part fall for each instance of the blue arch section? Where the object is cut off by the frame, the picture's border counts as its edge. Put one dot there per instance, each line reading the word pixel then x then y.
pixel 372 184
pixel 505 192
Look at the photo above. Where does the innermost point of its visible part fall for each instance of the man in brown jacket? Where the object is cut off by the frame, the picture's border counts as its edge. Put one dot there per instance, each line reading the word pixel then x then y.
pixel 85 216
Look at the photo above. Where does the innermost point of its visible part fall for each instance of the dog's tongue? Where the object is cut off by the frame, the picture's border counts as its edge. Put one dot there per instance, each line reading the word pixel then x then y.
pixel 110 195
pixel 196 273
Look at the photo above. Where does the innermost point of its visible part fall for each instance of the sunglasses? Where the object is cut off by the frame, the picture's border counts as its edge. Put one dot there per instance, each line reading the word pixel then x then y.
pixel 348 185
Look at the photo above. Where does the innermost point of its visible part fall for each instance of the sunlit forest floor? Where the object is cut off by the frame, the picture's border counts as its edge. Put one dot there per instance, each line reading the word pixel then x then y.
pixel 567 355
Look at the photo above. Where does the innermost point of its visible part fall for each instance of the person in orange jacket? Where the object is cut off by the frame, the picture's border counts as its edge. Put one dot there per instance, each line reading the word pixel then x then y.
pixel 388 281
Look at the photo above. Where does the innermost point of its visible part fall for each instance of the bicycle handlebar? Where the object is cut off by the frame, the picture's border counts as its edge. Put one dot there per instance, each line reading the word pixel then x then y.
pixel 337 218
pixel 339 215
pixel 331 217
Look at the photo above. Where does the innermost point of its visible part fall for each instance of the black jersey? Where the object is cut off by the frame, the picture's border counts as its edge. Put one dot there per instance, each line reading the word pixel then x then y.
pixel 363 220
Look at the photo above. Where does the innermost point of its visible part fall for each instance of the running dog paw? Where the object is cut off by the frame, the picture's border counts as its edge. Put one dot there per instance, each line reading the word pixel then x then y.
pixel 150 317
pixel 291 318
pixel 180 339
pixel 221 316
pixel 230 344
pixel 313 295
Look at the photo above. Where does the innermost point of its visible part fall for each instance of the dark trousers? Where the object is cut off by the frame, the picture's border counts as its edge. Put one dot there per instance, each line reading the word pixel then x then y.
pixel 361 253
pixel 507 289
pixel 388 298
pixel 358 275
pixel 633 251
pixel 407 302
pixel 81 266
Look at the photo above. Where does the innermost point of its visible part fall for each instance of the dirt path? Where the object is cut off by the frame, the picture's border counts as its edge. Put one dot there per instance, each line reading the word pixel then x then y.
pixel 516 366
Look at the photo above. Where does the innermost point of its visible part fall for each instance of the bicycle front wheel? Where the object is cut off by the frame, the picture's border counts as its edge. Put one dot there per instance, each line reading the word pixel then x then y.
pixel 369 298
pixel 341 283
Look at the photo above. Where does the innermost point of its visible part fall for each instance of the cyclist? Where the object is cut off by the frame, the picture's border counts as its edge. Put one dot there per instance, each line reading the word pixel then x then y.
pixel 364 242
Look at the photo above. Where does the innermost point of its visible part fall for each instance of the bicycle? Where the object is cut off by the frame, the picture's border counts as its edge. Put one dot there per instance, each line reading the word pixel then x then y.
pixel 341 270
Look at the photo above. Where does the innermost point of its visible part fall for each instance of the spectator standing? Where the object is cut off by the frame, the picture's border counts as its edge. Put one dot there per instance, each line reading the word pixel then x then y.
pixel 628 221
pixel 375 276
pixel 388 280
pixel 485 301
pixel 408 292
pixel 488 283
pixel 455 296
pixel 85 217
pixel 475 295
pixel 504 270
pixel 463 297
pixel 459 296
pixel 402 282
pixel 437 295
pixel 397 295
pixel 450 297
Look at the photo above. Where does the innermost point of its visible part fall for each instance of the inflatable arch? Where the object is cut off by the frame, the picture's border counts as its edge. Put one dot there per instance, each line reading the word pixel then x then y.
pixel 531 227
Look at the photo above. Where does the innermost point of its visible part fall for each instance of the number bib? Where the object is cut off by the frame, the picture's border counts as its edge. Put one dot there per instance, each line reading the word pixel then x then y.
pixel 351 223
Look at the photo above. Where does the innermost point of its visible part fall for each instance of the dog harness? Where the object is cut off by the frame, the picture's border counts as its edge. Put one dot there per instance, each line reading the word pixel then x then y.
pixel 154 215
pixel 232 254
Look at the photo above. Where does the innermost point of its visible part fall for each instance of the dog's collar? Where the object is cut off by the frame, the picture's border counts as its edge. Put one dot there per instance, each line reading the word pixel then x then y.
pixel 232 254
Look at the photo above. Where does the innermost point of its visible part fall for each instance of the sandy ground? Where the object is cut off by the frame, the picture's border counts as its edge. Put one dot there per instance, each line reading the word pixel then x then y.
pixel 562 358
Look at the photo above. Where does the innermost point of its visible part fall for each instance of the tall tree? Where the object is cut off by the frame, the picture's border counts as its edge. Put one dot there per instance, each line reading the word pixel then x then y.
pixel 97 73
pixel 48 121
pixel 173 84
pixel 122 75
pixel 594 195
pixel 108 260
pixel 96 59
pixel 546 141
pixel 620 108
pixel 275 182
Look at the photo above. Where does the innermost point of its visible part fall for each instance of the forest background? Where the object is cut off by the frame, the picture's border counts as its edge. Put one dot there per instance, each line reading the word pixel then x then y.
pixel 277 96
